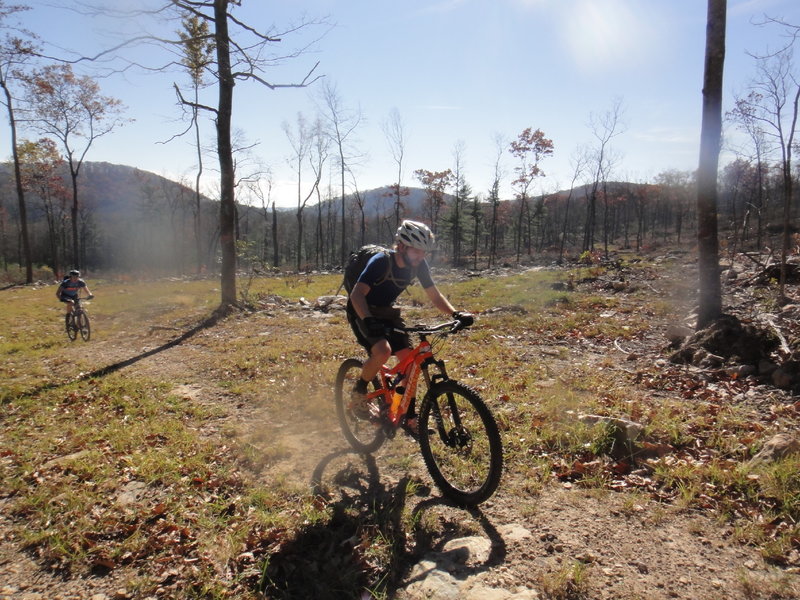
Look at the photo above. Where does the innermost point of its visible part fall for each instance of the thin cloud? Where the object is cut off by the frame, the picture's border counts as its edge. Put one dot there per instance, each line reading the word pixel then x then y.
pixel 440 107
pixel 666 135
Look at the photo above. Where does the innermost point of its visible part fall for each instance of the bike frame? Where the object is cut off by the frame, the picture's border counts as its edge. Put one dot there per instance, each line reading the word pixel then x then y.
pixel 409 369
pixel 77 307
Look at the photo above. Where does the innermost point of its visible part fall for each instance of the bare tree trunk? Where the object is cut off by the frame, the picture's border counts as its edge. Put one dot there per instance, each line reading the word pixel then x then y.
pixel 76 255
pixel 227 214
pixel 197 197
pixel 275 247
pixel 476 221
pixel 495 201
pixel 23 213
pixel 710 306
pixel 566 221
pixel 523 207
pixel 319 242
pixel 787 208
pixel 299 246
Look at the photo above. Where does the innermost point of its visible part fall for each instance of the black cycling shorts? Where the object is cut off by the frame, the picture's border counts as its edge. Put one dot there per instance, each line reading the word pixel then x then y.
pixel 390 316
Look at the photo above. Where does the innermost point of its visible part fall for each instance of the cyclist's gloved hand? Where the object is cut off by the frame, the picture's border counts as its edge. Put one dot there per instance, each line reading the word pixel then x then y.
pixel 374 327
pixel 466 319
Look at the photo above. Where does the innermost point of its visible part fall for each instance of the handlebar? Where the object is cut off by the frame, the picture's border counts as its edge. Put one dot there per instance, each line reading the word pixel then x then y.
pixel 445 328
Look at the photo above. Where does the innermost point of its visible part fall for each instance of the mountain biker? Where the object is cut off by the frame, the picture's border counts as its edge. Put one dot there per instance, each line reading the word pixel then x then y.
pixel 69 289
pixel 371 310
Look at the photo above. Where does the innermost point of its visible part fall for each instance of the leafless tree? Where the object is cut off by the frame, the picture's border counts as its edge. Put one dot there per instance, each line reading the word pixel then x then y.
pixel 317 158
pixel 459 198
pixel 394 130
pixel 604 127
pixel 578 162
pixel 300 142
pixel 494 196
pixel 16 48
pixel 772 105
pixel 755 131
pixel 710 300
pixel 342 124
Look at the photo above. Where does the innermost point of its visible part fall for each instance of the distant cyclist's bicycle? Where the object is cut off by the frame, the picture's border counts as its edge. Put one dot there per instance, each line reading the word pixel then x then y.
pixel 78 321
pixel 457 433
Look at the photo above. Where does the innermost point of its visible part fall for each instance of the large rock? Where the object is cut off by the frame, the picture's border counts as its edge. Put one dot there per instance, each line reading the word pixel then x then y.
pixel 778 447
pixel 453 573
pixel 625 433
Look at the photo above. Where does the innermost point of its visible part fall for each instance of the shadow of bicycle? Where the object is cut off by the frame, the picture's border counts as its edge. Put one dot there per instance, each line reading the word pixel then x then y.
pixel 103 371
pixel 372 538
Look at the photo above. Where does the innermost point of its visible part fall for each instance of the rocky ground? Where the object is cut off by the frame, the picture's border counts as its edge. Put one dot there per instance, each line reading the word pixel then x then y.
pixel 612 546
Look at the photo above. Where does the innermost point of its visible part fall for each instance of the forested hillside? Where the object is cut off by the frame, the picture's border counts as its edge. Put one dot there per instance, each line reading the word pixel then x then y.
pixel 142 223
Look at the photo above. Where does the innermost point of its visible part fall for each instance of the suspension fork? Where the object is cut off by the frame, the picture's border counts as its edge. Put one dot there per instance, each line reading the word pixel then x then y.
pixel 451 402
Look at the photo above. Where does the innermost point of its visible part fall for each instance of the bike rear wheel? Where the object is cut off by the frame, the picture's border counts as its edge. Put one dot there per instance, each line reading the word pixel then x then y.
pixel 365 434
pixel 72 326
pixel 460 443
pixel 84 326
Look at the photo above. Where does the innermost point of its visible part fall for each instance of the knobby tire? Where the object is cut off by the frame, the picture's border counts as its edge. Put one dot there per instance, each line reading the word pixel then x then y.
pixel 84 326
pixel 364 435
pixel 72 327
pixel 460 443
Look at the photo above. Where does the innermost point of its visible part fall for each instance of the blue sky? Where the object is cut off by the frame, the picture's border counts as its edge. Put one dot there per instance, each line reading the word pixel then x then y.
pixel 457 71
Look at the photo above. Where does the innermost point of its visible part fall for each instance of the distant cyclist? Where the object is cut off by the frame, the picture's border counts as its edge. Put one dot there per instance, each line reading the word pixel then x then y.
pixel 69 289
pixel 371 310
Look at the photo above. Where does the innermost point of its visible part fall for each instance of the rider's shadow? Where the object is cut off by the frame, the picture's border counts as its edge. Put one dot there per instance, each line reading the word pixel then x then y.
pixel 105 370
pixel 331 557
pixel 371 540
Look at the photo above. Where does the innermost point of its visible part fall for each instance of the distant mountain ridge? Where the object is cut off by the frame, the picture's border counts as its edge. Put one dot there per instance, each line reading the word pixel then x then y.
pixel 120 190
pixel 112 190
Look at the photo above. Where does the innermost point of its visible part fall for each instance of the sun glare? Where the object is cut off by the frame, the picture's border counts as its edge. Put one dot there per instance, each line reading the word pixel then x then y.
pixel 603 35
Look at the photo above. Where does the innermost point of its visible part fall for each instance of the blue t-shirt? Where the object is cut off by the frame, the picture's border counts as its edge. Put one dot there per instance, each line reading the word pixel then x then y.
pixel 385 285
pixel 70 289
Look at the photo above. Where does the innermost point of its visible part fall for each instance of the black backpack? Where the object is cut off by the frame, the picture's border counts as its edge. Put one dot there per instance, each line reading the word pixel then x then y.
pixel 357 262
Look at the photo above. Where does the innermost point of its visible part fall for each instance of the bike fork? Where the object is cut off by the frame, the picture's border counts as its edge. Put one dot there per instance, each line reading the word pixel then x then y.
pixel 437 413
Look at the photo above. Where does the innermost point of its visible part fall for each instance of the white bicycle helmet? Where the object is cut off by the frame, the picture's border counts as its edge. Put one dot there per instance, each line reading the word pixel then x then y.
pixel 415 234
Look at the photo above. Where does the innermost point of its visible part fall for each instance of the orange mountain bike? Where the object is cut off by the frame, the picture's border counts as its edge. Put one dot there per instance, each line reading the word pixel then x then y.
pixel 458 435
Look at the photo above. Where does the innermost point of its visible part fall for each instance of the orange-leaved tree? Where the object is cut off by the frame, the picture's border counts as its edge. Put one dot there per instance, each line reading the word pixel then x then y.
pixel 530 148
pixel 70 108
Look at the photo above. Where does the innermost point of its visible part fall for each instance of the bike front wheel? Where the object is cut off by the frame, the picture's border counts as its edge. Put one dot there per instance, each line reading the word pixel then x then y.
pixel 361 425
pixel 72 327
pixel 84 326
pixel 460 443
